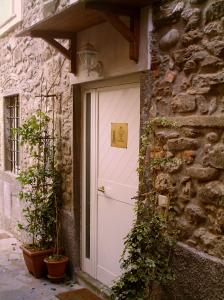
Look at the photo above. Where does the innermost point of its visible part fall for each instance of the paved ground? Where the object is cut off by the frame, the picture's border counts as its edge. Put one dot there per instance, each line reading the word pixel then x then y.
pixel 15 281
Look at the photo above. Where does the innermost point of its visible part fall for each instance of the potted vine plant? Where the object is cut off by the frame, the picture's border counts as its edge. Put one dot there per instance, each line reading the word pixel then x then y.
pixel 56 262
pixel 39 183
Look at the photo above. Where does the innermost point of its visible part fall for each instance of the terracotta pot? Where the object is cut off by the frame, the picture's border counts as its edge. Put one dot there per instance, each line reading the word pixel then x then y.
pixel 56 269
pixel 35 261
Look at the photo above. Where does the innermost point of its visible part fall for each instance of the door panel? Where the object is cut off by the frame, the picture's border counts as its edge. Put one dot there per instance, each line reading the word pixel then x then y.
pixel 108 215
pixel 117 174
pixel 114 221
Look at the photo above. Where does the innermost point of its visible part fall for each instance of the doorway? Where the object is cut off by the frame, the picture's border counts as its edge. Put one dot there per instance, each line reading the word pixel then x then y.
pixel 111 130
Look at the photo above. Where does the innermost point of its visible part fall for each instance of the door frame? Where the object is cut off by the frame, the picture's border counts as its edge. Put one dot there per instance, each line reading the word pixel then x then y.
pixel 89 265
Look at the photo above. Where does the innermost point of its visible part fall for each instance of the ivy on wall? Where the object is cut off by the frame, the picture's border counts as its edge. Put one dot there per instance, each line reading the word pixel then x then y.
pixel 146 257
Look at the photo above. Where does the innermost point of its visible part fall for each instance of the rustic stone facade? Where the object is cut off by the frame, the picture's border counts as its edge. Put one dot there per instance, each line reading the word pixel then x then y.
pixel 27 68
pixel 185 84
pixel 188 87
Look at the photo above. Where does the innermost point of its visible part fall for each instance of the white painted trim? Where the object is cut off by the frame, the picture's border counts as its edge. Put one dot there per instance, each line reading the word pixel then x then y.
pixel 88 265
pixel 73 1
pixel 85 261
pixel 117 81
pixel 14 19
pixel 94 177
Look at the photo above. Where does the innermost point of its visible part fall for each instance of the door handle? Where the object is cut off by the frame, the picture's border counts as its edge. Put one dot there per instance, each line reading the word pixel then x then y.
pixel 101 189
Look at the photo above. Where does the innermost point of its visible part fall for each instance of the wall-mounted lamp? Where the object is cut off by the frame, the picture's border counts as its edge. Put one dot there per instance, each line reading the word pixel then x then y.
pixel 88 56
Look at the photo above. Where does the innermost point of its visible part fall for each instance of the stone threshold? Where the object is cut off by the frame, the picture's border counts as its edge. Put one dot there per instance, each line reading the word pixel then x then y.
pixel 93 284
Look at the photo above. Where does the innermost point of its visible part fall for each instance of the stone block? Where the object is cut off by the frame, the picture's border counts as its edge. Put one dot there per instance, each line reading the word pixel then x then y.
pixel 202 174
pixel 163 183
pixel 183 103
pixel 170 76
pixel 215 11
pixel 202 104
pixel 199 121
pixel 216 156
pixel 199 55
pixel 190 264
pixel 204 80
pixel 190 66
pixel 180 56
pixel 169 13
pixel 191 37
pixel 214 28
pixel 192 17
pixel 181 144
pixel 212 106
pixel 209 63
pixel 188 156
pixel 199 91
pixel 49 8
pixel 212 137
pixel 215 46
pixel 211 193
pixel 170 39
pixel 191 132
pixel 195 213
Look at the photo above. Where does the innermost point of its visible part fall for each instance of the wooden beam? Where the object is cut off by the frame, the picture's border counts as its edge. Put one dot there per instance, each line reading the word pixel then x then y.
pixel 49 37
pixel 132 34
pixel 57 46
pixel 120 10
pixel 111 13
pixel 53 34
pixel 119 25
pixel 135 28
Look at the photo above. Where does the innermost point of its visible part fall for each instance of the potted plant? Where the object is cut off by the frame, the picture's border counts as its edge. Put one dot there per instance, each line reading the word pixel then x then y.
pixel 56 262
pixel 39 182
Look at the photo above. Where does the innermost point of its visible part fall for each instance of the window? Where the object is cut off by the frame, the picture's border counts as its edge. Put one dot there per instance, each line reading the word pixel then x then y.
pixel 6 11
pixel 11 115
pixel 10 14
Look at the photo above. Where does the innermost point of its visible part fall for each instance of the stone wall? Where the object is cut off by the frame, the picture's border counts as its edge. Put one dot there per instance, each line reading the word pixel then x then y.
pixel 188 86
pixel 28 66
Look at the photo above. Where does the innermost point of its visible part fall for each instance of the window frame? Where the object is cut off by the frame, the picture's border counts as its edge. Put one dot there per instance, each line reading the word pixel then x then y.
pixel 14 19
pixel 13 150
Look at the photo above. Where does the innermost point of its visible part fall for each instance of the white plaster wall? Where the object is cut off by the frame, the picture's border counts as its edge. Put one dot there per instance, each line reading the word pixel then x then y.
pixel 114 50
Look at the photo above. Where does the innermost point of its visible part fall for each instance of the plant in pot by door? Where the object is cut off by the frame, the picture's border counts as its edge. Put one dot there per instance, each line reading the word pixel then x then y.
pixel 38 184
pixel 56 262
pixel 56 266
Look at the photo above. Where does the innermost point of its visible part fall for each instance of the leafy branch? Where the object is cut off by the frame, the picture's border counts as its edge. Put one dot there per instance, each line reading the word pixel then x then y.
pixel 40 182
pixel 147 248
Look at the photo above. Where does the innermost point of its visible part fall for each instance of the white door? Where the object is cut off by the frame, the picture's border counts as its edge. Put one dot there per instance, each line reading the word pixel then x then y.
pixel 112 127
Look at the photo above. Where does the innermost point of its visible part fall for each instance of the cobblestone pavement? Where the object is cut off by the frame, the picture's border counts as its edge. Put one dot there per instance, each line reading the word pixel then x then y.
pixel 16 283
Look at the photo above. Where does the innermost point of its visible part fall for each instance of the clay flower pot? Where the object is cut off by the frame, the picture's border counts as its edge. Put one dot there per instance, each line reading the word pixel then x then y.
pixel 56 266
pixel 34 260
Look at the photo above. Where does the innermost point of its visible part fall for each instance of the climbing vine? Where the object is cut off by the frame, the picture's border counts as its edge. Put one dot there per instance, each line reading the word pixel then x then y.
pixel 146 257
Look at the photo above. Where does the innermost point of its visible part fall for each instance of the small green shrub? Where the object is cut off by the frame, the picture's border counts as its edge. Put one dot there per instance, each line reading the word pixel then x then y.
pixel 40 182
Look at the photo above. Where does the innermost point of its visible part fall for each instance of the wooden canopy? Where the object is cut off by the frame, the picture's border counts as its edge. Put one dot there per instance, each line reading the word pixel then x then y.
pixel 87 13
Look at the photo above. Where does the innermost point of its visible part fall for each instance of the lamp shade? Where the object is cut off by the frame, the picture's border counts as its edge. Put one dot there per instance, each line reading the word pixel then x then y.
pixel 88 56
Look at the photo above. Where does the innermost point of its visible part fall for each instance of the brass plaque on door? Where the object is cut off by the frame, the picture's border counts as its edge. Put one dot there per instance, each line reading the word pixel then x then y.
pixel 119 135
